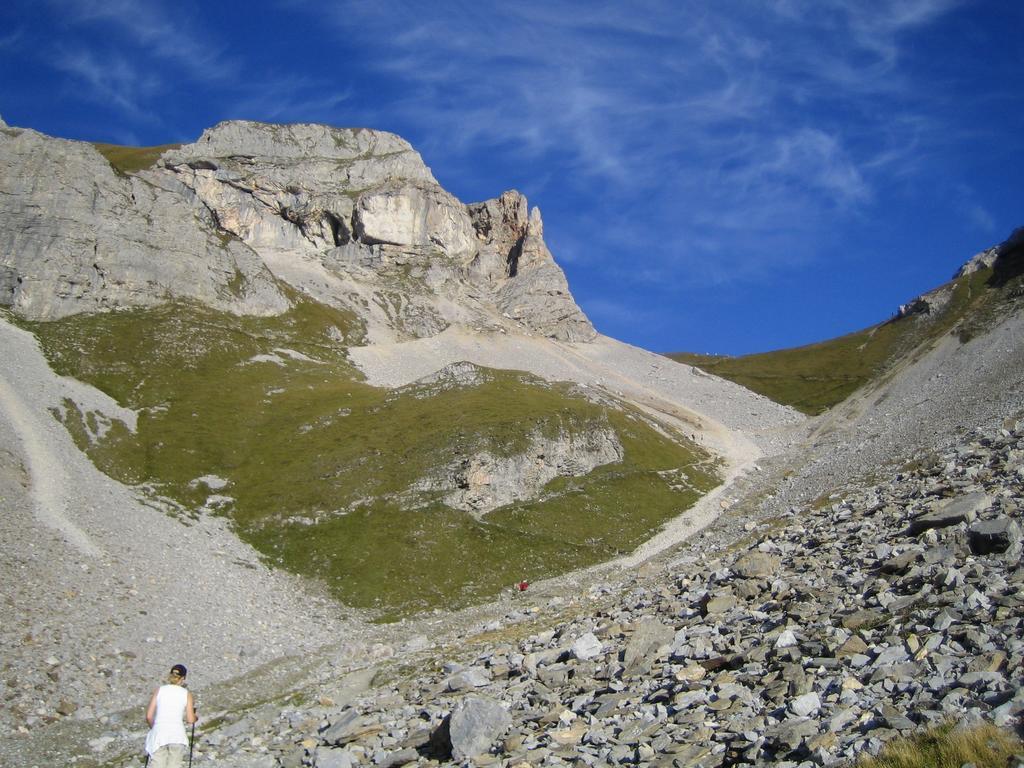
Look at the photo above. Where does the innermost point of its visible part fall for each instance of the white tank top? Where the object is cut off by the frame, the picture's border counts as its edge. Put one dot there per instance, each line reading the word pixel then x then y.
pixel 168 725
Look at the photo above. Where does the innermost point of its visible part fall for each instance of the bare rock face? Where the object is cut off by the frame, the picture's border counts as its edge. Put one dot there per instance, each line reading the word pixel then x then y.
pixel 351 216
pixel 537 293
pixel 483 481
pixel 76 236
pixel 290 187
pixel 517 266
pixel 368 217
pixel 414 216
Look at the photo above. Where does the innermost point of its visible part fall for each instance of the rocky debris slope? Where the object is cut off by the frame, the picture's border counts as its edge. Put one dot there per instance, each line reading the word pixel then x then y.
pixel 929 400
pixel 103 588
pixel 814 637
pixel 725 416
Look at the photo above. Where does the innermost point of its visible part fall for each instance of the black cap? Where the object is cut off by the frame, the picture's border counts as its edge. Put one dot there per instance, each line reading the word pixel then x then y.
pixel 179 670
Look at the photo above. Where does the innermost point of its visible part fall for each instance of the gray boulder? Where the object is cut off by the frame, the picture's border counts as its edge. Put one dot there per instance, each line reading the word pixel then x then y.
pixel 806 705
pixel 586 647
pixel 757 565
pixel 399 758
pixel 997 536
pixel 468 679
pixel 326 757
pixel 476 723
pixel 643 647
pixel 960 510
pixel 348 726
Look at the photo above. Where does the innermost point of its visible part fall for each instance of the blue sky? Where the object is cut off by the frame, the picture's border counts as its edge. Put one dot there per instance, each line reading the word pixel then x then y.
pixel 728 176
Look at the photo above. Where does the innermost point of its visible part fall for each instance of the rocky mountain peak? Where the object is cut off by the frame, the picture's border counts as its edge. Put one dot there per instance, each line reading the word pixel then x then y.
pixel 1003 258
pixel 352 217
pixel 299 142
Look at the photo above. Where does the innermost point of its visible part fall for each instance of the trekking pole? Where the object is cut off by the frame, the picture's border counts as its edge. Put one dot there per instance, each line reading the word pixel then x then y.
pixel 192 741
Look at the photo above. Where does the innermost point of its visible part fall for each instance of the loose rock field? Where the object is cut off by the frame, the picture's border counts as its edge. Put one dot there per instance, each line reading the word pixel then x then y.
pixel 819 635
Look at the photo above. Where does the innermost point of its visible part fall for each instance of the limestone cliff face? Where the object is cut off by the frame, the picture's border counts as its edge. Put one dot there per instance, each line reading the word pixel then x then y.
pixel 353 217
pixel 482 482
pixel 514 262
pixel 76 236
pixel 361 211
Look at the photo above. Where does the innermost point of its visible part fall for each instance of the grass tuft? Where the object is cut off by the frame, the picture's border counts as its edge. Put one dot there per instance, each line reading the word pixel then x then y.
pixel 984 746
pixel 132 159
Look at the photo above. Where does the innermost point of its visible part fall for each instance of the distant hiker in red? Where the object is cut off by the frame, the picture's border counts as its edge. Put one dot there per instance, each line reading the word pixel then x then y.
pixel 169 708
pixel 522 586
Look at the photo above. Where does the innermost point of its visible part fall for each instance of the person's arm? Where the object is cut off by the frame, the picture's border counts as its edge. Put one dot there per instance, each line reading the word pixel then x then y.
pixel 190 710
pixel 151 709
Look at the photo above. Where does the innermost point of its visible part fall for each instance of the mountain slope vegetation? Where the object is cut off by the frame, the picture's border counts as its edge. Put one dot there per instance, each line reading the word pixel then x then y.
pixel 816 377
pixel 264 420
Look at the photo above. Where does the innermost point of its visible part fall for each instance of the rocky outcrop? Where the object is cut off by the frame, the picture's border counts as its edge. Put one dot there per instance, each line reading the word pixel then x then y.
pixel 1005 260
pixel 290 187
pixel 77 236
pixel 366 212
pixel 515 263
pixel 1010 259
pixel 996 257
pixel 350 216
pixel 484 481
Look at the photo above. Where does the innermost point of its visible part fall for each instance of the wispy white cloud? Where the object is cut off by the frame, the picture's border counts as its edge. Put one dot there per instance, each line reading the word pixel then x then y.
pixel 286 97
pixel 972 211
pixel 11 40
pixel 112 80
pixel 809 159
pixel 164 31
pixel 731 124
pixel 608 312
pixel 721 109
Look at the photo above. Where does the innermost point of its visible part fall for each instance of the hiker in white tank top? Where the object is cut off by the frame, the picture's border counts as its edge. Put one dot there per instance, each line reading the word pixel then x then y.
pixel 169 709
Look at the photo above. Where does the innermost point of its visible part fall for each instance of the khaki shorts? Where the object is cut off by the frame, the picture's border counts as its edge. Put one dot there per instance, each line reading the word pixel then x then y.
pixel 168 756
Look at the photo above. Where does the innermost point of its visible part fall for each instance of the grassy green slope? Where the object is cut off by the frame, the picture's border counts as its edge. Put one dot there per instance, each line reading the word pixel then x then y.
pixel 818 376
pixel 320 464
pixel 132 159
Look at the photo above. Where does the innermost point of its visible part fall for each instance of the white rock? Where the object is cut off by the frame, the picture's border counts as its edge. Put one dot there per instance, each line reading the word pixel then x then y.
pixel 587 647
pixel 786 639
pixel 806 705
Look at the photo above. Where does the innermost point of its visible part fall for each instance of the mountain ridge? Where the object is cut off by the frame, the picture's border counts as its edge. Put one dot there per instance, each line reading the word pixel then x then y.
pixel 322 206
pixel 818 376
